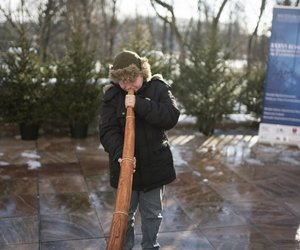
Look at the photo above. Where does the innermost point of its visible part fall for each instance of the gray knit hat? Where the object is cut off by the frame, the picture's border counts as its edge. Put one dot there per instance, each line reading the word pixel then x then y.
pixel 127 65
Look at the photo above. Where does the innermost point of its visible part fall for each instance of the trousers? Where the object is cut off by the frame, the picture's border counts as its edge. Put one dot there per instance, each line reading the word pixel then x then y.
pixel 150 208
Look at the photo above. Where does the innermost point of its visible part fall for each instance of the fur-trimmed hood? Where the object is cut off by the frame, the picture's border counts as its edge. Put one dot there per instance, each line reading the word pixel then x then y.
pixel 154 77
pixel 127 66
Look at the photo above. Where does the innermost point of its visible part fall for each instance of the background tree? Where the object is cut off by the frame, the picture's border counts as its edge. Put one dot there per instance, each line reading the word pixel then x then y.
pixel 46 14
pixel 253 37
pixel 22 92
pixel 77 93
pixel 141 42
pixel 288 2
pixel 110 27
pixel 171 20
pixel 205 85
pixel 252 89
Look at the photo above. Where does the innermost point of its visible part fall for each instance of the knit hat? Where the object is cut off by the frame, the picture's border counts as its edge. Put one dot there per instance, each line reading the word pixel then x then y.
pixel 127 65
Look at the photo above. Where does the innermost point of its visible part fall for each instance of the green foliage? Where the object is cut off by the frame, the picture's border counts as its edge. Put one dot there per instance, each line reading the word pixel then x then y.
pixel 22 89
pixel 140 42
pixel 77 92
pixel 252 89
pixel 2 91
pixel 205 86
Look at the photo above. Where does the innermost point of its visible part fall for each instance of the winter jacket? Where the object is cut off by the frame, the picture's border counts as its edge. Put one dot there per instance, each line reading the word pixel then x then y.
pixel 155 112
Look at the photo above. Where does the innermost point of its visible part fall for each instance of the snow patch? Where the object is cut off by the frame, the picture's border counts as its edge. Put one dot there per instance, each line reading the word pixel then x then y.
pixel 178 160
pixel 254 161
pixel 196 173
pixel 30 154
pixel 210 168
pixel 33 164
pixel 290 160
pixel 79 148
pixel 4 163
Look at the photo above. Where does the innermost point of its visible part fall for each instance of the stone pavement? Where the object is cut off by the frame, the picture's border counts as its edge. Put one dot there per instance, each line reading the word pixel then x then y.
pixel 231 193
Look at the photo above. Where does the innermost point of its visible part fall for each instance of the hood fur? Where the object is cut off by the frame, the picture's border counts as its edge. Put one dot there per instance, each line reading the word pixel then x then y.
pixel 130 73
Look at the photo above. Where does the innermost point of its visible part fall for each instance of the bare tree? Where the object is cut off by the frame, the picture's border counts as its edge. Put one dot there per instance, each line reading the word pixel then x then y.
pixel 284 2
pixel 199 22
pixel 288 2
pixel 171 20
pixel 46 14
pixel 109 29
pixel 216 19
pixel 13 20
pixel 87 11
pixel 86 15
pixel 254 34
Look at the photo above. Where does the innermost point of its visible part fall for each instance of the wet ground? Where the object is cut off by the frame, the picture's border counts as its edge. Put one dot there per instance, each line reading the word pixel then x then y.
pixel 231 193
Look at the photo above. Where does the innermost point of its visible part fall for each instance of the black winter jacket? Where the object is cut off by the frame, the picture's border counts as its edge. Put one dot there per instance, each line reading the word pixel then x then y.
pixel 155 112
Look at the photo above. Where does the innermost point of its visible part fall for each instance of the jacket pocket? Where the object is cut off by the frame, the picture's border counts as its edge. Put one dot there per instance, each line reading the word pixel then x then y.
pixel 162 156
pixel 160 169
pixel 161 147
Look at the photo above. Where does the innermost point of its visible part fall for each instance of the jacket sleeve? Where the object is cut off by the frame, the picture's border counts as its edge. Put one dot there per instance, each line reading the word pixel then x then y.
pixel 161 112
pixel 111 134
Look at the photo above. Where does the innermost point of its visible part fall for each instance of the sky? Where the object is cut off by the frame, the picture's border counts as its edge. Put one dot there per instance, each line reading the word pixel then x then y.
pixel 188 8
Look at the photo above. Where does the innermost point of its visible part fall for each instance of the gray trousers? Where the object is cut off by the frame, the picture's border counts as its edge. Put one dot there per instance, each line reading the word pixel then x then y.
pixel 150 207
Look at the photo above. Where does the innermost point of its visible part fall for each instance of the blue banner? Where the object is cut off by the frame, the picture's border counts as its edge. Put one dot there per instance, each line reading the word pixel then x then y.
pixel 282 86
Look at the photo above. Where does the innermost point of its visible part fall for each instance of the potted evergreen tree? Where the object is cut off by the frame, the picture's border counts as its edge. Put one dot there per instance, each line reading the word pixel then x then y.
pixel 22 96
pixel 77 90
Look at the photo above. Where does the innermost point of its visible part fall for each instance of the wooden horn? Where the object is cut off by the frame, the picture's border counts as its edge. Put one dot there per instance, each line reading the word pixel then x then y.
pixel 123 197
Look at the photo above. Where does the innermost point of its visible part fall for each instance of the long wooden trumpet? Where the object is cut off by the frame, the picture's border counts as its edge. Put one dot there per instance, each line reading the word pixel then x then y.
pixel 122 203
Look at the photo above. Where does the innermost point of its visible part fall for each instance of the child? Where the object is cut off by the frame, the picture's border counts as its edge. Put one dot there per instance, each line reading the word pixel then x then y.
pixel 155 112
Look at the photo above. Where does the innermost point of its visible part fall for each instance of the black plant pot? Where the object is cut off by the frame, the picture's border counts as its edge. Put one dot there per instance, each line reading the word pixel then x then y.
pixel 79 130
pixel 29 131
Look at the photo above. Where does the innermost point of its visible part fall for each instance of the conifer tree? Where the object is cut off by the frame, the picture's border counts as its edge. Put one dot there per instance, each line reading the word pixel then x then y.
pixel 22 86
pixel 205 86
